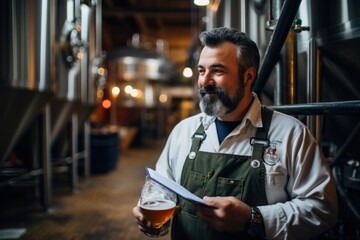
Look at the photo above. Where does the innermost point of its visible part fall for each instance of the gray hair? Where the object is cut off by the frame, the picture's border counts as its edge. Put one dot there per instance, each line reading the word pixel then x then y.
pixel 247 50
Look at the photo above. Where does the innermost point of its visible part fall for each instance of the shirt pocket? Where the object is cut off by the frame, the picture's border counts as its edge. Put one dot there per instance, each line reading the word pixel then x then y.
pixel 229 187
pixel 276 180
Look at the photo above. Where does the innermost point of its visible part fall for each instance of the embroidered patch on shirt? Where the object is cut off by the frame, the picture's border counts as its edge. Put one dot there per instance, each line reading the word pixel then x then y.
pixel 271 154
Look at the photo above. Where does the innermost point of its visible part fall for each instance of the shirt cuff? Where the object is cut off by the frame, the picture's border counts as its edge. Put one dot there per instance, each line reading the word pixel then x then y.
pixel 274 219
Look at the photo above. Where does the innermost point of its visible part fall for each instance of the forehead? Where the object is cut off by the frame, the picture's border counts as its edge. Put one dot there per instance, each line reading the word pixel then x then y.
pixel 224 53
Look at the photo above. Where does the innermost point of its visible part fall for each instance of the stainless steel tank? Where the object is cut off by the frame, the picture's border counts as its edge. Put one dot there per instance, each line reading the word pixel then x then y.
pixel 142 70
pixel 146 70
pixel 26 65
pixel 48 49
pixel 329 53
pixel 78 49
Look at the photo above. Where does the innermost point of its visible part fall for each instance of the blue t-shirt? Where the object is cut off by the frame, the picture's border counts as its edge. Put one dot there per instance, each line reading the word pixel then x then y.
pixel 224 128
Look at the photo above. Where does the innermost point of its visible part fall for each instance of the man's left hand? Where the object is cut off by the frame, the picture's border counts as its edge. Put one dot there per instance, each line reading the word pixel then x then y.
pixel 225 214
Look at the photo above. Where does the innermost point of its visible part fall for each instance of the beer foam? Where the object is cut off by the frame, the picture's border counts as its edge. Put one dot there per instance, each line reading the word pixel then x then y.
pixel 158 204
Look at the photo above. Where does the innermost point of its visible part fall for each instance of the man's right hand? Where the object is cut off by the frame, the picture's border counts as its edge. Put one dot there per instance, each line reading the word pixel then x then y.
pixel 143 224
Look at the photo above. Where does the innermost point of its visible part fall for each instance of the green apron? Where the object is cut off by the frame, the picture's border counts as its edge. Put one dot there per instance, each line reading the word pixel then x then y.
pixel 218 174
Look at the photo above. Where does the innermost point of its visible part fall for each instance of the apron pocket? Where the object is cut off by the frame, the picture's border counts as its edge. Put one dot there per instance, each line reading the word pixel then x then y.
pixel 196 182
pixel 196 185
pixel 229 187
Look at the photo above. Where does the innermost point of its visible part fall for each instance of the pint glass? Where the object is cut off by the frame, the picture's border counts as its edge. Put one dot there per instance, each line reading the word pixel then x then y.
pixel 158 205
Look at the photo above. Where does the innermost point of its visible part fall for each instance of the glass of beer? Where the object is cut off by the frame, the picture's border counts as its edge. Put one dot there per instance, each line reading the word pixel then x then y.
pixel 158 205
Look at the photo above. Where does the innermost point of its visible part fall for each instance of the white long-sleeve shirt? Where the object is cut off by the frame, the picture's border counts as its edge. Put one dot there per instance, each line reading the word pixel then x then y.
pixel 300 189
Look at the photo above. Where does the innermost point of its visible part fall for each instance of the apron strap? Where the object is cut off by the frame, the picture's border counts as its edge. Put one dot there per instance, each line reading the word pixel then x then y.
pixel 198 137
pixel 260 142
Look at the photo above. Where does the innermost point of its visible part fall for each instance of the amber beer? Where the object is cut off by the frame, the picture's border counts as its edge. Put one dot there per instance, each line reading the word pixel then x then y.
pixel 158 212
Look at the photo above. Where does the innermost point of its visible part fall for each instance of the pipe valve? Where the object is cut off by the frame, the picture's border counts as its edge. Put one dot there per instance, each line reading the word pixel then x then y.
pixel 297 26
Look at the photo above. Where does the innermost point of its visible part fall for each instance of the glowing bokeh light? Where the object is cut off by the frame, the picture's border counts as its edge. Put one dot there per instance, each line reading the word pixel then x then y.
pixel 115 91
pixel 163 98
pixel 134 92
pixel 106 103
pixel 187 72
pixel 128 89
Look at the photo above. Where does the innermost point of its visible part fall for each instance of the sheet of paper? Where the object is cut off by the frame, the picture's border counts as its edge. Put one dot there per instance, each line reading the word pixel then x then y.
pixel 173 186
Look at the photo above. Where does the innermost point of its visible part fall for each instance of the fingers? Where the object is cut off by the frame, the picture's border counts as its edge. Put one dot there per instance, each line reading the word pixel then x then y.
pixel 140 219
pixel 177 209
pixel 144 225
pixel 224 213
pixel 138 214
pixel 211 216
pixel 212 201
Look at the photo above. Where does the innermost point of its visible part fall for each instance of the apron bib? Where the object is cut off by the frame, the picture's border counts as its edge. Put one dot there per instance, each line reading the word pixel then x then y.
pixel 218 174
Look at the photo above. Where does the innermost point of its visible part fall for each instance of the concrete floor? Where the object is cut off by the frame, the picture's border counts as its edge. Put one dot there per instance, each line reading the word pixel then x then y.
pixel 102 209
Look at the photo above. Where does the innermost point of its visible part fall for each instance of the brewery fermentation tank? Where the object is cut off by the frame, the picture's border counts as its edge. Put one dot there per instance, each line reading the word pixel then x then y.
pixel 75 54
pixel 49 50
pixel 148 71
pixel 26 65
pixel 329 62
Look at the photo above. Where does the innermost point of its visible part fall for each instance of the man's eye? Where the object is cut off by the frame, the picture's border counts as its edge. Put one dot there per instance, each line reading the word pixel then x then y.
pixel 217 71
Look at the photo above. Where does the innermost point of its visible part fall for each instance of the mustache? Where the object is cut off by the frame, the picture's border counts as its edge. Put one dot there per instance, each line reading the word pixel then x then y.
pixel 209 90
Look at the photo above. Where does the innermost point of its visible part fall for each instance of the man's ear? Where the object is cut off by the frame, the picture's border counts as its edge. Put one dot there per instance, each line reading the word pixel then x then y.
pixel 249 76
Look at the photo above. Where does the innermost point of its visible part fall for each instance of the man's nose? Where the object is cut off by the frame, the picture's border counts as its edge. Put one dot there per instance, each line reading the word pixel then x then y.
pixel 207 79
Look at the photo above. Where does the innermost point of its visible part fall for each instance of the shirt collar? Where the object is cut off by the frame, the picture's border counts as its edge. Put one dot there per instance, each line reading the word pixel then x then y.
pixel 254 113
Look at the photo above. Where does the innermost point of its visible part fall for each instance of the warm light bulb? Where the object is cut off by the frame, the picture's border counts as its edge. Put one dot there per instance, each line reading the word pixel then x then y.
pixel 100 94
pixel 101 71
pixel 187 72
pixel 80 55
pixel 106 103
pixel 163 98
pixel 128 89
pixel 134 92
pixel 115 91
pixel 201 2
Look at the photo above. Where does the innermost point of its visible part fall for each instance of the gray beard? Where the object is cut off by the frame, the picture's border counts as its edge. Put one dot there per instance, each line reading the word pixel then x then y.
pixel 220 105
pixel 212 107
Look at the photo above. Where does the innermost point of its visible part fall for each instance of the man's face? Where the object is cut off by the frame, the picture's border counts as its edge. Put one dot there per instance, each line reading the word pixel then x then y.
pixel 220 89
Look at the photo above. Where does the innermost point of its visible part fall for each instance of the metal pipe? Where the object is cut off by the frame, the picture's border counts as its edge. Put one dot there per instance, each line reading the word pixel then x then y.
pixel 317 130
pixel 46 158
pixel 74 149
pixel 86 23
pixel 323 108
pixel 310 86
pixel 314 86
pixel 20 174
pixel 77 9
pixel 45 50
pixel 274 13
pixel 277 40
pixel 291 66
pixel 286 83
pixel 98 28
pixel 87 162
